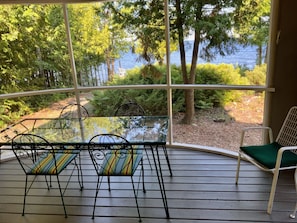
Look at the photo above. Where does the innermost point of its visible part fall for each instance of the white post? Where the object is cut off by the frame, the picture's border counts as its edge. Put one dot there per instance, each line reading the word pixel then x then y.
pixel 168 73
pixel 72 61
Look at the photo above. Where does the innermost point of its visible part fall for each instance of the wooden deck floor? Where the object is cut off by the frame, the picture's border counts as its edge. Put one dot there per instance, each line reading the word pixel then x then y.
pixel 202 189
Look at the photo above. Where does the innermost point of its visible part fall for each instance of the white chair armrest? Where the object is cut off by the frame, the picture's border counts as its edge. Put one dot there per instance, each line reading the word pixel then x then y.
pixel 285 148
pixel 280 154
pixel 263 130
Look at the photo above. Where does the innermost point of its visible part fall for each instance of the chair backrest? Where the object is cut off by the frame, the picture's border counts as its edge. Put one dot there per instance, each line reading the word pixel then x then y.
pixel 287 135
pixel 39 157
pixel 71 111
pixel 28 149
pixel 112 155
pixel 129 109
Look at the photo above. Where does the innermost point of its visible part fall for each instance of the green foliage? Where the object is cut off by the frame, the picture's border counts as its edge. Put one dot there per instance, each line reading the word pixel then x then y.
pixel 252 24
pixel 11 110
pixel 154 100
pixel 34 49
pixel 222 74
pixel 34 53
pixel 257 76
pixel 211 23
pixel 106 102
pixel 146 31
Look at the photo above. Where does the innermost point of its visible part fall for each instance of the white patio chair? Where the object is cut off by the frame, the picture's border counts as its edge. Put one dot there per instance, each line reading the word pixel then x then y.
pixel 277 155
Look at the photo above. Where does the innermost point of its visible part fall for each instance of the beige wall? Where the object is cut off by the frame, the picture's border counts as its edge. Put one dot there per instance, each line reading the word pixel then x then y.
pixel 284 69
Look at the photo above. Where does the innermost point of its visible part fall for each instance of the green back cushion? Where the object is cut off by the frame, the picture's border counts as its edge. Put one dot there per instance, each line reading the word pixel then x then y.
pixel 267 154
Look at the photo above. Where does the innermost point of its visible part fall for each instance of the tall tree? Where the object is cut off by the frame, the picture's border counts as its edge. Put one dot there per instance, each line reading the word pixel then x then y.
pixel 34 54
pixel 211 21
pixel 90 37
pixel 118 40
pixel 252 24
pixel 143 21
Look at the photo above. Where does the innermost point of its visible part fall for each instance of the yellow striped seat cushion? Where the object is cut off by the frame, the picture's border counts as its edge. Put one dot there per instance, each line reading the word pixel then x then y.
pixel 120 163
pixel 46 164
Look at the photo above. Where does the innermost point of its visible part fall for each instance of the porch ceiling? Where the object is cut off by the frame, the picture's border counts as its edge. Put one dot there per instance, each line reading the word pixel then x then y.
pixel 11 2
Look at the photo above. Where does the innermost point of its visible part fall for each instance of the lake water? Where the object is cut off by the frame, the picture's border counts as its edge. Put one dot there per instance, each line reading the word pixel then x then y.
pixel 244 56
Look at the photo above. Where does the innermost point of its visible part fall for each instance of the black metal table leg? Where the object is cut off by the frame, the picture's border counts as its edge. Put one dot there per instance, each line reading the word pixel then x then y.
pixel 158 168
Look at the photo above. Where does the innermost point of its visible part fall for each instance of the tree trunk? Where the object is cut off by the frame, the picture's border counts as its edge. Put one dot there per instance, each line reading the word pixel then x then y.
pixel 260 52
pixel 190 108
pixel 188 78
pixel 108 65
pixel 188 95
pixel 112 69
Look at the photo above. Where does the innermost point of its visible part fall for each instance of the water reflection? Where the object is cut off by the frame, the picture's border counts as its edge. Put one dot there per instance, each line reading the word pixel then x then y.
pixel 134 128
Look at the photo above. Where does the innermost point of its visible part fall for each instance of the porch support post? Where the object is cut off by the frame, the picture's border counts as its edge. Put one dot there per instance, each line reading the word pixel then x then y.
pixel 168 70
pixel 72 61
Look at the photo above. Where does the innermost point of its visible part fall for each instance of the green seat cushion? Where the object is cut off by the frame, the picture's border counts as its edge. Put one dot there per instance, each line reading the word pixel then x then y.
pixel 47 165
pixel 267 154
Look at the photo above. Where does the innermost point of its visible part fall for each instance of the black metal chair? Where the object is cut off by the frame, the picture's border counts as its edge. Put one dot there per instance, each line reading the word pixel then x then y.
pixel 38 157
pixel 129 109
pixel 113 155
pixel 71 111
pixel 68 112
pixel 132 108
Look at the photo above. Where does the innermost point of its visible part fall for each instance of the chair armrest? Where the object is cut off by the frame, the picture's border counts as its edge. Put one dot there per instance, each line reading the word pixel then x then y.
pixel 281 152
pixel 263 130
pixel 285 148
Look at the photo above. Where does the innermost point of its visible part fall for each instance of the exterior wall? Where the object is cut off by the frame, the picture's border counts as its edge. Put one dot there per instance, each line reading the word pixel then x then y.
pixel 284 77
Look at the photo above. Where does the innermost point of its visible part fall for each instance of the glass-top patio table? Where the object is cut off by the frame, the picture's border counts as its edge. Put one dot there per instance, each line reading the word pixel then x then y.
pixel 150 131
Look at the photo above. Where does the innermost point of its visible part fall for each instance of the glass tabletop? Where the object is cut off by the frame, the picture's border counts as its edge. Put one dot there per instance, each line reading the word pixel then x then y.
pixel 136 129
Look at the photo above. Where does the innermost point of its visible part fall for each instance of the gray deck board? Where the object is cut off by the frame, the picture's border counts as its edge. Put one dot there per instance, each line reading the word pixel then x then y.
pixel 202 190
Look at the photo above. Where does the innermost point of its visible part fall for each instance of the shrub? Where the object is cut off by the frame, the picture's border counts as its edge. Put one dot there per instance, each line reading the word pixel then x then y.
pixel 13 109
pixel 221 74
pixel 257 76
pixel 154 101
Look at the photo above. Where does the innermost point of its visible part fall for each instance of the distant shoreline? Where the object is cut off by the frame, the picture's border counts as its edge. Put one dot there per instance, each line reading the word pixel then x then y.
pixel 245 56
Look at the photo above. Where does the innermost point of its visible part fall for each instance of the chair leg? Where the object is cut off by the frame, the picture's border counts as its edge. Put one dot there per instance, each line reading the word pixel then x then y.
pixel 25 195
pixel 61 193
pixel 238 168
pixel 96 195
pixel 293 215
pixel 272 191
pixel 149 161
pixel 50 184
pixel 79 173
pixel 135 195
pixel 142 172
pixel 108 182
pixel 27 189
pixel 47 184
pixel 294 212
